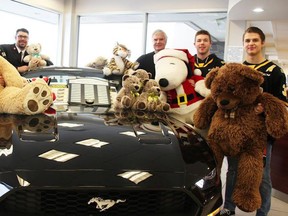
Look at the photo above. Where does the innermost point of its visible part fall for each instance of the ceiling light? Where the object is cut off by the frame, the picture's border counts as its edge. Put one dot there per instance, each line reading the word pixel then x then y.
pixel 258 10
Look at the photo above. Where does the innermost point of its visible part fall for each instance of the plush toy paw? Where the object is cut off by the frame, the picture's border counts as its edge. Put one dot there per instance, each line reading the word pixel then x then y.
pixel 202 89
pixel 126 102
pixel 38 98
pixel 107 71
pixel 165 107
pixel 247 201
pixel 135 66
pixel 141 105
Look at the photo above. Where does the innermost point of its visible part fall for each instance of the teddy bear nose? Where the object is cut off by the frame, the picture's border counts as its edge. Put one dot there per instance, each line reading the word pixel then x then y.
pixel 163 82
pixel 224 102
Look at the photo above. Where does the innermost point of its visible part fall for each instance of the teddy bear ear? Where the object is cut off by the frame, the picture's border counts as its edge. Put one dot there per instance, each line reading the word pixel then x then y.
pixel 252 74
pixel 145 81
pixel 150 75
pixel 211 76
pixel 125 77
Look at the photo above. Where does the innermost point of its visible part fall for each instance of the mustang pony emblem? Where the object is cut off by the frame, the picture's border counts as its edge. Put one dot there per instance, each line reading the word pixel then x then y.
pixel 104 204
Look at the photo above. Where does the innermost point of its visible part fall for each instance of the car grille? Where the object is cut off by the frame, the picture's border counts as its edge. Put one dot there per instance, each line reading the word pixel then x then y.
pixel 75 202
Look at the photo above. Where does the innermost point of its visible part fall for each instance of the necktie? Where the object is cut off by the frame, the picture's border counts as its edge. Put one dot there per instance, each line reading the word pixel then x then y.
pixel 22 55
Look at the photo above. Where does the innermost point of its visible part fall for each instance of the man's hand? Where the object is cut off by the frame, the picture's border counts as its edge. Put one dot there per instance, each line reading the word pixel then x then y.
pixel 259 109
pixel 23 69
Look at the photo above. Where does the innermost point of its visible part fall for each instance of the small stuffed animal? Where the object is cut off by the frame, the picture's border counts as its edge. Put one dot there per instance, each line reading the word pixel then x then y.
pixel 149 98
pixel 19 97
pixel 143 75
pixel 119 64
pixel 174 74
pixel 129 92
pixel 236 129
pixel 99 63
pixel 35 59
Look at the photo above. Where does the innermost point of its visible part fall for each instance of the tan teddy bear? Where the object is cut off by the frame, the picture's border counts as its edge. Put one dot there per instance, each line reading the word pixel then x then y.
pixel 149 98
pixel 19 97
pixel 129 92
pixel 236 130
pixel 35 59
pixel 143 75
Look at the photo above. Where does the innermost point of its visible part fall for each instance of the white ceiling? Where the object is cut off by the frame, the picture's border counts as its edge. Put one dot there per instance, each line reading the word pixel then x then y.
pixel 273 21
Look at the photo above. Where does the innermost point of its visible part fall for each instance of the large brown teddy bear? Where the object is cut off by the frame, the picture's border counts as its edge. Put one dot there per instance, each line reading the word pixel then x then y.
pixel 20 97
pixel 237 130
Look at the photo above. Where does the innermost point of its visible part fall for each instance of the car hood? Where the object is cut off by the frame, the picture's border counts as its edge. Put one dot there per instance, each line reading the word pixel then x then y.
pixel 124 149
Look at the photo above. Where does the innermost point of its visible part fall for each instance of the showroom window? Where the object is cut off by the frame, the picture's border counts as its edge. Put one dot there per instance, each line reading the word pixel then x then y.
pixel 99 33
pixel 41 24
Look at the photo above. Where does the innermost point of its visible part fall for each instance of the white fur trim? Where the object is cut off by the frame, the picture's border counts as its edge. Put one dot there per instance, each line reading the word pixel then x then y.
pixel 187 109
pixel 170 53
pixel 197 72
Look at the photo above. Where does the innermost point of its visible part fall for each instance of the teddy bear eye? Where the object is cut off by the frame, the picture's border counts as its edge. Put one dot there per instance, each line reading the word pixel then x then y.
pixel 231 88
pixel 218 90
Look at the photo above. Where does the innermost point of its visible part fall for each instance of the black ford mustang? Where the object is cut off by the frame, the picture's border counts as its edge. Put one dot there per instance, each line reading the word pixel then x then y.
pixel 83 158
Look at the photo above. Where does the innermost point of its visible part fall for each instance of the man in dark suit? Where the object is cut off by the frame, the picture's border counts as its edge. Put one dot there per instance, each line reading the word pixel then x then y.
pixel 15 53
pixel 146 61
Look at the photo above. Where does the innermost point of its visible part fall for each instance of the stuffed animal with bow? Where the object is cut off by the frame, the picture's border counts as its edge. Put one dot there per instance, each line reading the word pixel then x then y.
pixel 35 58
pixel 129 92
pixel 237 130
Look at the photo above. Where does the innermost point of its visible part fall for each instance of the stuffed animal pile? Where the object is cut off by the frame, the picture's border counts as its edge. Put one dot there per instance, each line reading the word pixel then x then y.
pixel 139 92
pixel 236 129
pixel 17 96
pixel 119 63
pixel 178 83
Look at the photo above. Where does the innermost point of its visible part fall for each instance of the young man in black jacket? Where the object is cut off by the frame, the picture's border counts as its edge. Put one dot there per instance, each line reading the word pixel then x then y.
pixel 204 60
pixel 274 83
